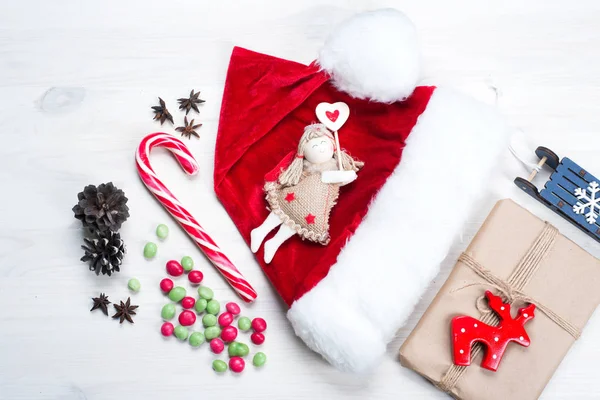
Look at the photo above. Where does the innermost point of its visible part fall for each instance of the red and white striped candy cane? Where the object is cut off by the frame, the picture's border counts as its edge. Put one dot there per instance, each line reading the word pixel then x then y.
pixel 185 219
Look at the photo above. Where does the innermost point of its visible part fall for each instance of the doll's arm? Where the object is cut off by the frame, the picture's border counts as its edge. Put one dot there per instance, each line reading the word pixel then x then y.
pixel 341 177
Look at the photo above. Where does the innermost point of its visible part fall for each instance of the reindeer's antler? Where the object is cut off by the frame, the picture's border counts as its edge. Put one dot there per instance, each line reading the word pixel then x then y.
pixel 525 314
pixel 496 304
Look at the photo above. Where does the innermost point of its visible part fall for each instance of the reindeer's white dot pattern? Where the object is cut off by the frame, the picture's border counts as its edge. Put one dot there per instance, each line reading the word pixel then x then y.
pixel 521 338
pixel 463 330
pixel 494 356
pixel 461 351
pixel 526 315
pixel 496 338
pixel 475 325
pixel 502 308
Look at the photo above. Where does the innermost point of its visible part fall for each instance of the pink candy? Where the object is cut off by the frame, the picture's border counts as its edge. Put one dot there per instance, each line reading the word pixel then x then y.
pixel 166 285
pixel 217 345
pixel 229 333
pixel 195 277
pixel 237 364
pixel 188 302
pixel 174 268
pixel 257 338
pixel 259 325
pixel 187 318
pixel 167 329
pixel 233 308
pixel 225 319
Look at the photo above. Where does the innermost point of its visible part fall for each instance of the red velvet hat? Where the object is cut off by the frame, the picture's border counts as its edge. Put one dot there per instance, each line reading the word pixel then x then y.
pixel 427 152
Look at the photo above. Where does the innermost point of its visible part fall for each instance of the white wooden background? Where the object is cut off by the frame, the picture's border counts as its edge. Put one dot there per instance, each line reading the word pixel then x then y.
pixel 114 57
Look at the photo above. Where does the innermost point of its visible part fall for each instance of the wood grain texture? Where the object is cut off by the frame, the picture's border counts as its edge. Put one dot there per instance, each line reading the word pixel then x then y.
pixel 114 58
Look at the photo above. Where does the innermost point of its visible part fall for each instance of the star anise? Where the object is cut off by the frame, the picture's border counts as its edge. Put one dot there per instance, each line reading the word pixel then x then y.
pixel 188 129
pixel 161 113
pixel 190 103
pixel 101 303
pixel 125 311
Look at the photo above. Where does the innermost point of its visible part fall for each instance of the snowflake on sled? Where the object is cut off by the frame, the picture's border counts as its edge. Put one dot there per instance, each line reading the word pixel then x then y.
pixel 585 201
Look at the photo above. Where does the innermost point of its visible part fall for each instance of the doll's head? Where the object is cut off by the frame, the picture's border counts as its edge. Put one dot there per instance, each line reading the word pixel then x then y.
pixel 316 146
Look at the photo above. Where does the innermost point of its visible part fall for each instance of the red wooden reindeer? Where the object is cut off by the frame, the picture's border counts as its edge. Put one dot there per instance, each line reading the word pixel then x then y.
pixel 467 330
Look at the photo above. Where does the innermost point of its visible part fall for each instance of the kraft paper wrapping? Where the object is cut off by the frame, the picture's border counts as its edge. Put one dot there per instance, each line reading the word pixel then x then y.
pixel 567 281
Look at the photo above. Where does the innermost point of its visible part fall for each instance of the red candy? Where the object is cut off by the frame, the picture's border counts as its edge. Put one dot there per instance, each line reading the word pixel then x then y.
pixel 167 329
pixel 233 308
pixel 259 325
pixel 236 364
pixel 225 319
pixel 257 338
pixel 188 302
pixel 195 277
pixel 166 285
pixel 187 318
pixel 229 333
pixel 217 345
pixel 174 268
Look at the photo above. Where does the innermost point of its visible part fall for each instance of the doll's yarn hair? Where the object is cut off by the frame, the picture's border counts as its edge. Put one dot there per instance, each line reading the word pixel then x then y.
pixel 292 174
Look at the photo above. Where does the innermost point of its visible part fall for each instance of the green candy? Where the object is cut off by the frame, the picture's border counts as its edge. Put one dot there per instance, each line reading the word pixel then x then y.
pixel 213 307
pixel 244 324
pixel 232 349
pixel 187 263
pixel 200 305
pixel 176 294
pixel 168 311
pixel 259 359
pixel 237 349
pixel 209 320
pixel 205 292
pixel 219 366
pixel 212 332
pixel 197 338
pixel 150 250
pixel 181 332
pixel 243 350
pixel 162 231
pixel 134 285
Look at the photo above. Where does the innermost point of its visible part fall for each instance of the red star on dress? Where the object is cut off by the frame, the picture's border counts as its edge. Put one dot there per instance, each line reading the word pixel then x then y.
pixel 290 197
pixel 310 219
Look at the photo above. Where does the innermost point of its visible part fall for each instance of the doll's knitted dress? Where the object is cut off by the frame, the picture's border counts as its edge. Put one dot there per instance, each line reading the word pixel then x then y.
pixel 305 207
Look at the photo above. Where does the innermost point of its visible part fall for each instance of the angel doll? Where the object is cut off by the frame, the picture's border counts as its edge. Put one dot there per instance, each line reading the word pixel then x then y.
pixel 302 196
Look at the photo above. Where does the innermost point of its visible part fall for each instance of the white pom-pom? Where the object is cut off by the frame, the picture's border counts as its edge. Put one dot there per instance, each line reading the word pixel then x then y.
pixel 373 55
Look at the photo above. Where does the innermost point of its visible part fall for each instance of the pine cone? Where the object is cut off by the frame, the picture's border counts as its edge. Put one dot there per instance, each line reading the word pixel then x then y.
pixel 102 208
pixel 105 254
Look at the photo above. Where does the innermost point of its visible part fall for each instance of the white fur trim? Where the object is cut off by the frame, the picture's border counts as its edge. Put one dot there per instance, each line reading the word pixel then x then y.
pixel 373 55
pixel 352 314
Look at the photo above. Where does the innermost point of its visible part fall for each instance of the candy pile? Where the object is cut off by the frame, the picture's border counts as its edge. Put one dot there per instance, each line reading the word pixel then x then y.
pixel 218 326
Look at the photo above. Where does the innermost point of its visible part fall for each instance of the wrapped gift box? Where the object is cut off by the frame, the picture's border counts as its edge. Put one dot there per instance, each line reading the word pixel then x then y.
pixel 529 256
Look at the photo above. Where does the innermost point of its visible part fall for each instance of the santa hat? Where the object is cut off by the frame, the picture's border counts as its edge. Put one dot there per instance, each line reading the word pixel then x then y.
pixel 427 153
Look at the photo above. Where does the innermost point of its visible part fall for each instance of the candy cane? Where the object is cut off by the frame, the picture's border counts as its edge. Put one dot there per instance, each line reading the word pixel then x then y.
pixel 185 219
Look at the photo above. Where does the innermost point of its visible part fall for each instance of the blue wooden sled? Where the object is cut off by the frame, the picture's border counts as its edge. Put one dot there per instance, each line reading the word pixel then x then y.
pixel 559 194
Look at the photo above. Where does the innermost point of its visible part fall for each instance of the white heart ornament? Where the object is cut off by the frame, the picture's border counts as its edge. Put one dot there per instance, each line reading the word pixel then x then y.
pixel 333 116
